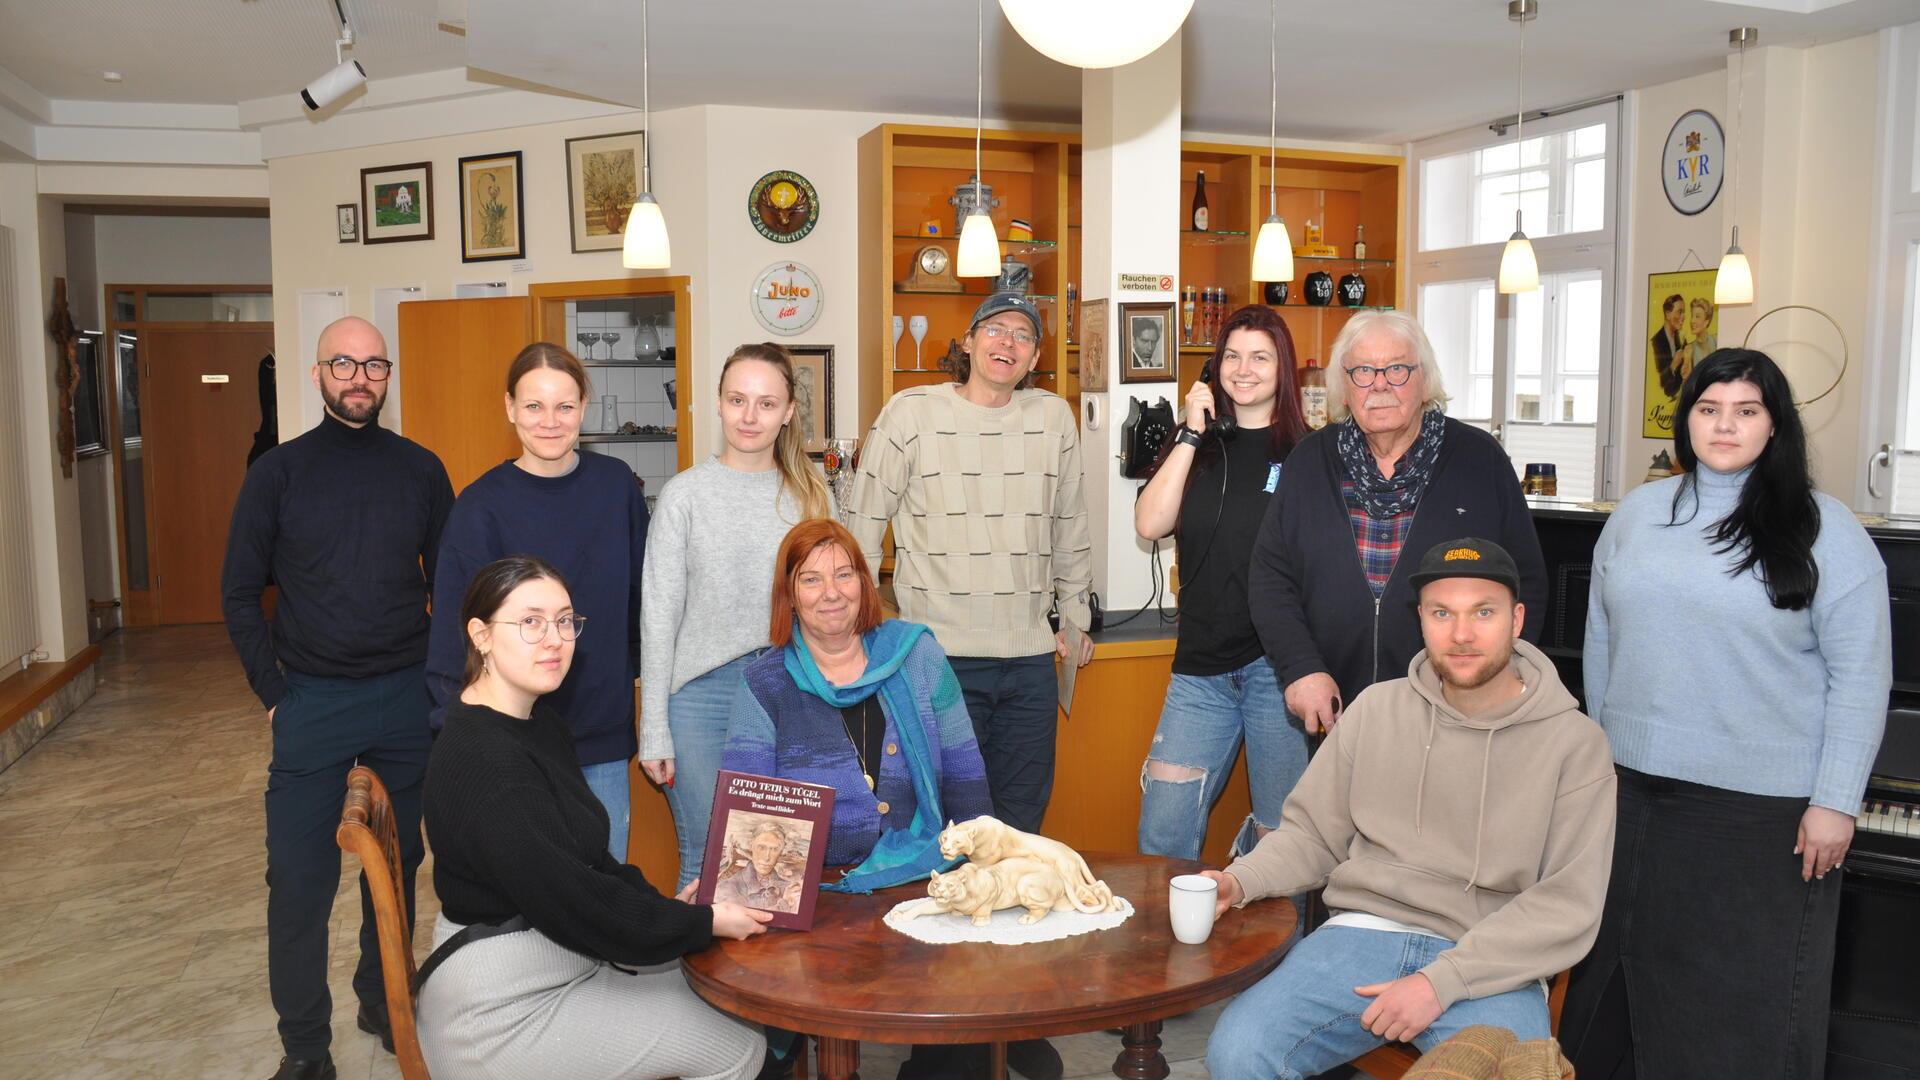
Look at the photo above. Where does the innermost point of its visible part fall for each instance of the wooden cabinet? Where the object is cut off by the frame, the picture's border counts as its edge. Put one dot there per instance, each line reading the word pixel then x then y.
pixel 554 302
pixel 907 175
pixel 453 373
pixel 454 356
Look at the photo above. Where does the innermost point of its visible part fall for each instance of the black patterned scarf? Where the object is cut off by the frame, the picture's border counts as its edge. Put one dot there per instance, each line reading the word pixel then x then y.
pixel 1384 498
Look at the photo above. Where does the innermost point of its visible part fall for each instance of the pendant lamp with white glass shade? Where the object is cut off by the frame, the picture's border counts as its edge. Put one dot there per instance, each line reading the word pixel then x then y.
pixel 1519 270
pixel 1734 283
pixel 1273 248
pixel 1096 33
pixel 979 254
pixel 644 244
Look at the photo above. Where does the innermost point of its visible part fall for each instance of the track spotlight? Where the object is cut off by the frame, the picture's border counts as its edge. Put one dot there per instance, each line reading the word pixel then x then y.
pixel 346 75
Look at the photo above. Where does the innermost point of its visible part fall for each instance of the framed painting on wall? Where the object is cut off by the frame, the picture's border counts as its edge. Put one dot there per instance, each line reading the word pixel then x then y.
pixel 396 203
pixel 1683 326
pixel 346 221
pixel 1093 345
pixel 493 221
pixel 603 180
pixel 813 394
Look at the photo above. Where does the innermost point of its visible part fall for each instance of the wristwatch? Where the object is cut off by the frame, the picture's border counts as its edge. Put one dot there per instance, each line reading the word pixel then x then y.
pixel 1188 436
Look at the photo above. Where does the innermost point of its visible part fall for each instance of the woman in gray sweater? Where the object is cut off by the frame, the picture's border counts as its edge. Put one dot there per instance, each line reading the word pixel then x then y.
pixel 1738 654
pixel 707 580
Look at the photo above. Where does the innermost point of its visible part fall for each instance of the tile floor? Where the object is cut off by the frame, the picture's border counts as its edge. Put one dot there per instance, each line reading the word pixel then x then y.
pixel 133 900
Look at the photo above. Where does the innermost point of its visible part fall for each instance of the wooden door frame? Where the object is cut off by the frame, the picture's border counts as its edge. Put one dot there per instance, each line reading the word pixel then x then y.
pixel 550 296
pixel 142 607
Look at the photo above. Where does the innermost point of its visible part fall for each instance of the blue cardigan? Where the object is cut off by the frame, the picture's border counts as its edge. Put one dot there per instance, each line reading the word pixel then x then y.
pixel 779 730
pixel 591 524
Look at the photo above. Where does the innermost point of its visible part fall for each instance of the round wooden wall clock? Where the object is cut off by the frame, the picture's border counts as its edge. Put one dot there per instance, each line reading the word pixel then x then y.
pixel 783 206
pixel 786 298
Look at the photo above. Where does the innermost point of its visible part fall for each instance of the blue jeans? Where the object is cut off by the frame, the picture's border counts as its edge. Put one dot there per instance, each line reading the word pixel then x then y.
pixel 1201 727
pixel 609 782
pixel 1304 1018
pixel 697 718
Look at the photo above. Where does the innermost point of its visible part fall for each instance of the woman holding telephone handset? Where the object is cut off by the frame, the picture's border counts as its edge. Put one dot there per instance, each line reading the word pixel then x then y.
pixel 1209 490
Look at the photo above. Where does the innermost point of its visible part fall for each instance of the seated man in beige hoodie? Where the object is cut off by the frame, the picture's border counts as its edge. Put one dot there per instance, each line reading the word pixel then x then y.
pixel 1461 822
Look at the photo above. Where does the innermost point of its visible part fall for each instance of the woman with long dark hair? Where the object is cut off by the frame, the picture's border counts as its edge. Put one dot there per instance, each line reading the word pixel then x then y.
pixel 1210 489
pixel 1738 655
pixel 551 957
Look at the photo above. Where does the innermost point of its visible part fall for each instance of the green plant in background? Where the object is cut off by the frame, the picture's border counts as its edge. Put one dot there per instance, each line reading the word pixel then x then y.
pixel 493 213
pixel 609 186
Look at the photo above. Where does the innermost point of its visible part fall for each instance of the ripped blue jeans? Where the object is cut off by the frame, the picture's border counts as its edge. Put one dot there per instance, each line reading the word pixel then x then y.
pixel 1202 724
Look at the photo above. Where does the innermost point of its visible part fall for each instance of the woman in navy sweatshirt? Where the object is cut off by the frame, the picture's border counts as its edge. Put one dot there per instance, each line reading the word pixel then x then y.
pixel 584 514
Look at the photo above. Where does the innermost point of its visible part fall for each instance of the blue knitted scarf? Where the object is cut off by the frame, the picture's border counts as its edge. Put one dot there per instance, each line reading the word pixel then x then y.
pixel 900 855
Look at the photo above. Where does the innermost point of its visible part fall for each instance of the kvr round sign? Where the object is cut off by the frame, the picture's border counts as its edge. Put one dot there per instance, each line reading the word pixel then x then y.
pixel 1693 162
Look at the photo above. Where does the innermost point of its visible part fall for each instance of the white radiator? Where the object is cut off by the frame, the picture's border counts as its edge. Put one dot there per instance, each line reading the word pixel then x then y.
pixel 19 621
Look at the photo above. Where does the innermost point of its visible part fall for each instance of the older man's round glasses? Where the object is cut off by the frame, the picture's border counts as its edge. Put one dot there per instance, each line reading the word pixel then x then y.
pixel 377 368
pixel 533 628
pixel 1365 375
pixel 1018 337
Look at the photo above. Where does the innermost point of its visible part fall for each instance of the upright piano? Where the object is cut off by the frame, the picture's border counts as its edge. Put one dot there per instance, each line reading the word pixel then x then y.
pixel 1875 1029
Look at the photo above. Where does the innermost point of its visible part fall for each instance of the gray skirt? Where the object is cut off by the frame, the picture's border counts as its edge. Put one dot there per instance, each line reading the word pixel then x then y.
pixel 520 1006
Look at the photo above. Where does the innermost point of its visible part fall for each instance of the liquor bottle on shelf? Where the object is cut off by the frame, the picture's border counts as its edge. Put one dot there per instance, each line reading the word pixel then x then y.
pixel 1313 394
pixel 1314 233
pixel 1199 215
pixel 1187 313
pixel 1360 242
pixel 1073 312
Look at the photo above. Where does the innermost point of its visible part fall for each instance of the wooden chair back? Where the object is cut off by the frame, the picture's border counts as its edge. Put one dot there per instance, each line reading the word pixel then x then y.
pixel 1391 1062
pixel 367 830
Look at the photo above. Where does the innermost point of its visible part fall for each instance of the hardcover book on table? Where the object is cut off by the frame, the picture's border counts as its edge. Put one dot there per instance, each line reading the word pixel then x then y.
pixel 766 844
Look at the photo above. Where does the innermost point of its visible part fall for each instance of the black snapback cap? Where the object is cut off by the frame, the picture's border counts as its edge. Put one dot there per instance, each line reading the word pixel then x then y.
pixel 1468 557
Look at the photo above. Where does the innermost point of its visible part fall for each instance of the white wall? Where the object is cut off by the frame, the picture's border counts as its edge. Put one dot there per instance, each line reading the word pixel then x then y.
pixel 167 249
pixel 1804 208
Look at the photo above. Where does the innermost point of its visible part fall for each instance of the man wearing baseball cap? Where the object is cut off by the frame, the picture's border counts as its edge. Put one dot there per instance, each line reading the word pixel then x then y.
pixel 1461 822
pixel 980 479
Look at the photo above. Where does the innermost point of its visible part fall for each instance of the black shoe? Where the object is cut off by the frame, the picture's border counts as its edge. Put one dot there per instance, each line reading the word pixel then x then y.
pixel 373 1020
pixel 1035 1059
pixel 320 1068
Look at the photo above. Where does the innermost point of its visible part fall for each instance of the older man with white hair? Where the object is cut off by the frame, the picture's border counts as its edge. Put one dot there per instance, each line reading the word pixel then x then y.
pixel 346 521
pixel 1390 472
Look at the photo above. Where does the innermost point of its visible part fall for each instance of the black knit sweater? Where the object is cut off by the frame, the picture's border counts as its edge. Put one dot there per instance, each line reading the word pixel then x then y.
pixel 516 831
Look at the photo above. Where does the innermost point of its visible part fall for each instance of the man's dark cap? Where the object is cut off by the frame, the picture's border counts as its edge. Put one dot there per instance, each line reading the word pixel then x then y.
pixel 1468 557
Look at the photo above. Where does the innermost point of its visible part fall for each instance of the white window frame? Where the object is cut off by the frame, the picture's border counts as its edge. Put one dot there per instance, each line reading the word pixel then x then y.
pixel 1595 250
pixel 1889 425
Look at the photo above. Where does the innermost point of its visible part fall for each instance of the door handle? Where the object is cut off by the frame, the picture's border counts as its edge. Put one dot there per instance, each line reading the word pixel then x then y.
pixel 1884 458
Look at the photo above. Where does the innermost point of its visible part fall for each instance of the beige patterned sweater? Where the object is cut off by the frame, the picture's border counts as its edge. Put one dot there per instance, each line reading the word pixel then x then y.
pixel 989 521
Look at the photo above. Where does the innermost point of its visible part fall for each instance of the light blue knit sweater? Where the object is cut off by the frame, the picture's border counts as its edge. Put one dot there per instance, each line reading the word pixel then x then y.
pixel 1695 675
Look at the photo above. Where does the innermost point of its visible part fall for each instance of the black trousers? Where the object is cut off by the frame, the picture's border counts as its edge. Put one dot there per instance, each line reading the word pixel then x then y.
pixel 1714 959
pixel 321 729
pixel 1015 707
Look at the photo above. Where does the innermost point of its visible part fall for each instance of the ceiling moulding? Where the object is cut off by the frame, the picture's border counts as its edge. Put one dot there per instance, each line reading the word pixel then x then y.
pixel 17 96
pixel 430 120
pixel 1797 7
pixel 155 184
pixel 141 114
pixel 150 146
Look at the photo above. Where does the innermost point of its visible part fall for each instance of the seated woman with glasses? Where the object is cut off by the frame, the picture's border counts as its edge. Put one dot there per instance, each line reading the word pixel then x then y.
pixel 551 958
pixel 1389 473
pixel 584 513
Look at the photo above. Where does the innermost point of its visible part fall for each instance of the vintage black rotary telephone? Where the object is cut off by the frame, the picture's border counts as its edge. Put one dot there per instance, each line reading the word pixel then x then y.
pixel 1145 430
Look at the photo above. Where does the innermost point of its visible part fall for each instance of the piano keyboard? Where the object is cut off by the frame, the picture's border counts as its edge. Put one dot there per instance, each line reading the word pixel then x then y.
pixel 1889 818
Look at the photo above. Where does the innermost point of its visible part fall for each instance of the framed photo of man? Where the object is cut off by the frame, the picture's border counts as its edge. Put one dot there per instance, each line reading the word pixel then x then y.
pixel 1683 326
pixel 1146 342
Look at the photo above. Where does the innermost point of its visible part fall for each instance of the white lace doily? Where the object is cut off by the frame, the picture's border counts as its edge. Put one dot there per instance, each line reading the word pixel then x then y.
pixel 947 928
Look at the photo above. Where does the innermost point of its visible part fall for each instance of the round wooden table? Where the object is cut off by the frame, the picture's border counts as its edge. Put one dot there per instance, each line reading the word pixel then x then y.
pixel 853 978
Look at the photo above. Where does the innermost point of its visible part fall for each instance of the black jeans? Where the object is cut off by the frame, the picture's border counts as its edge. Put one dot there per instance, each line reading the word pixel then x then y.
pixel 1015 707
pixel 1714 958
pixel 321 729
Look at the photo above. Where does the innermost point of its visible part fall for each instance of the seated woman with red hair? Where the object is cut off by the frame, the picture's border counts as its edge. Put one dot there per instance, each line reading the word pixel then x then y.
pixel 865 705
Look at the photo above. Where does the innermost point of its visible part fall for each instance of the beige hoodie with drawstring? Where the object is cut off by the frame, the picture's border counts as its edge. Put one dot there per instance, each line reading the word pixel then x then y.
pixel 1495 831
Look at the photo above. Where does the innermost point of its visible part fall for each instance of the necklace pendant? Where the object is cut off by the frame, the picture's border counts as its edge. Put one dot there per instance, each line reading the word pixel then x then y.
pixel 868 777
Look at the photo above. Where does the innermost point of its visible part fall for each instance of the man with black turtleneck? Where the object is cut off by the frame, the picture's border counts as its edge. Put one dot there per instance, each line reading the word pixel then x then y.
pixel 345 520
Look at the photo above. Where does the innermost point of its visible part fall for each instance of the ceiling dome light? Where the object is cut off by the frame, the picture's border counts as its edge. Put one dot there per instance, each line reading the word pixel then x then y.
pixel 1096 33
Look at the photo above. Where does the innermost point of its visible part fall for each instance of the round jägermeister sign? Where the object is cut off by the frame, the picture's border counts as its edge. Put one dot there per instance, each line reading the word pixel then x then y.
pixel 783 206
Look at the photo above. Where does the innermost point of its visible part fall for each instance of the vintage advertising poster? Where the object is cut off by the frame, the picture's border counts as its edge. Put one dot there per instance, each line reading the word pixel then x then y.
pixel 765 846
pixel 1683 326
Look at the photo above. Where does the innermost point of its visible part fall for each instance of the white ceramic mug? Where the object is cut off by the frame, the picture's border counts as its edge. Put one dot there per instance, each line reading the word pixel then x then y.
pixel 1190 902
